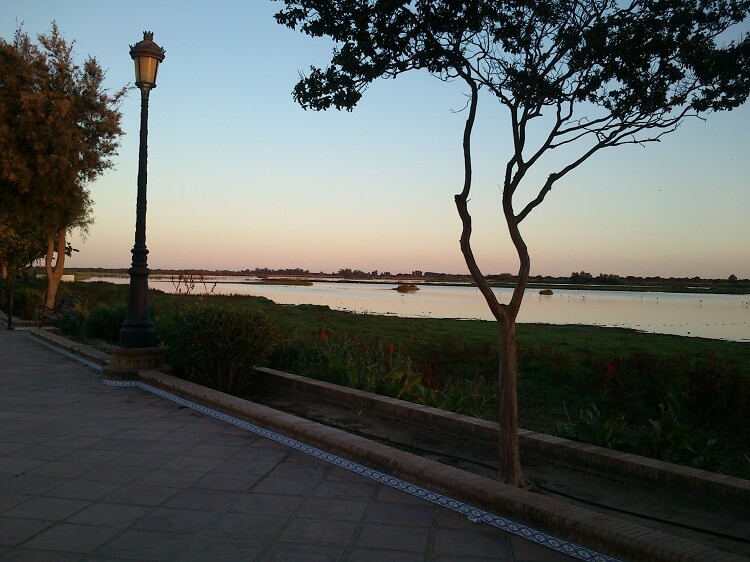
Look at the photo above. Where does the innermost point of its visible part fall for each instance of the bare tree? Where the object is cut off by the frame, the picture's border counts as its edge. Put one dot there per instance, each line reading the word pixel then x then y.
pixel 591 74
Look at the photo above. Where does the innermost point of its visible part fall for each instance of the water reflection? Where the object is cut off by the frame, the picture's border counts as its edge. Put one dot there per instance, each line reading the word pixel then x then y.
pixel 702 315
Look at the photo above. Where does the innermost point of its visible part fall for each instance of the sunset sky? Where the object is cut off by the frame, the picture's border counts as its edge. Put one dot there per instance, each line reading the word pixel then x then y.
pixel 242 177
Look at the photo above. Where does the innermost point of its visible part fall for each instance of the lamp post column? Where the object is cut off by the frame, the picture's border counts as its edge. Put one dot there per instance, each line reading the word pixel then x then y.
pixel 138 330
pixel 139 349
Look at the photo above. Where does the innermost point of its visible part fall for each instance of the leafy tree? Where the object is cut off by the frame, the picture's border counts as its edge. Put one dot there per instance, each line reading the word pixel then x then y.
pixel 592 74
pixel 59 129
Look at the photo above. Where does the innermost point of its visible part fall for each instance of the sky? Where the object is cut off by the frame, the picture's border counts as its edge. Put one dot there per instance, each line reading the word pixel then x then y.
pixel 240 176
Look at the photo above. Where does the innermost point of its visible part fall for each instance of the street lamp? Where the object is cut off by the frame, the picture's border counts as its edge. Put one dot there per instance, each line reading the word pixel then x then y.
pixel 138 330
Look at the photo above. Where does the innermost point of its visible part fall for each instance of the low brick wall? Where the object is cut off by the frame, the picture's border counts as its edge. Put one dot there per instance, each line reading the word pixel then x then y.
pixel 677 478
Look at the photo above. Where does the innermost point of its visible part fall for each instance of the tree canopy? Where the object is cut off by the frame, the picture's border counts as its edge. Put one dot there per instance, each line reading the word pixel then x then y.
pixel 59 130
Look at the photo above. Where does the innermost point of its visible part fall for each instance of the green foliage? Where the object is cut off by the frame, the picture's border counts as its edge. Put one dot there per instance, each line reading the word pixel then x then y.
pixel 717 394
pixel 20 245
pixel 26 301
pixel 665 436
pixel 70 323
pixel 218 346
pixel 714 392
pixel 351 362
pixel 104 322
pixel 70 314
pixel 61 128
pixel 596 429
pixel 382 369
pixel 471 397
pixel 297 356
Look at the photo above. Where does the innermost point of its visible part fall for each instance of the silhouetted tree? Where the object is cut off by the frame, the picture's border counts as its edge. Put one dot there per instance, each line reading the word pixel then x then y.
pixel 590 74
pixel 581 278
pixel 609 279
pixel 59 129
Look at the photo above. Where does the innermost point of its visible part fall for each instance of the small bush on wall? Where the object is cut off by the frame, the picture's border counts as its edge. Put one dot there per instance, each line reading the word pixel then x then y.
pixel 218 346
pixel 104 322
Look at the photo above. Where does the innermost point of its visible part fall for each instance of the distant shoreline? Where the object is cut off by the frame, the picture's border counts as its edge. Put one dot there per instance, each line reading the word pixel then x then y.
pixel 630 284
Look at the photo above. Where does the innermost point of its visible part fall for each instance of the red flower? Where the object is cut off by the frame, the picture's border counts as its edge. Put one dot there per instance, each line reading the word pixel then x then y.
pixel 391 347
pixel 324 336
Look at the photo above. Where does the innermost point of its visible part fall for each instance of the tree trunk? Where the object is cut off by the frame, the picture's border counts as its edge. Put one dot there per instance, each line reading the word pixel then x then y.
pixel 11 283
pixel 510 460
pixel 505 314
pixel 54 273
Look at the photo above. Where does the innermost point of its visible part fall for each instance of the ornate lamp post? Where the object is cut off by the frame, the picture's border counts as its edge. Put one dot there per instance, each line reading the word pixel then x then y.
pixel 138 330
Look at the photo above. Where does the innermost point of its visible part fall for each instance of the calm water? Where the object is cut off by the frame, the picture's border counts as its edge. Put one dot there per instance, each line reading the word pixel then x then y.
pixel 709 316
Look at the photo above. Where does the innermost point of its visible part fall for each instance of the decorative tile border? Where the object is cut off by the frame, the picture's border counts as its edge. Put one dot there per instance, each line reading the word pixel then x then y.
pixel 474 514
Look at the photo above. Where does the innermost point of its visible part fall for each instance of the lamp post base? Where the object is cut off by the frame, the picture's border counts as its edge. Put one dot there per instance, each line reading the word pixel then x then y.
pixel 125 362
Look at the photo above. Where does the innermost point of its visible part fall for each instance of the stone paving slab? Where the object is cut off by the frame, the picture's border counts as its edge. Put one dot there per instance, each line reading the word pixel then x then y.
pixel 90 472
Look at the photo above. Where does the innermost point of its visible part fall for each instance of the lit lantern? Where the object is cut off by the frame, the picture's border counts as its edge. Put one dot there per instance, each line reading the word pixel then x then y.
pixel 147 55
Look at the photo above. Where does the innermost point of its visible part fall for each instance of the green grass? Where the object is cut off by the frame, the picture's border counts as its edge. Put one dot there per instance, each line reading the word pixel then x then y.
pixel 563 370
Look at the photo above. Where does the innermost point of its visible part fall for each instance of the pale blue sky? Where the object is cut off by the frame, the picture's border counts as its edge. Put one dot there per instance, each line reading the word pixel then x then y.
pixel 241 177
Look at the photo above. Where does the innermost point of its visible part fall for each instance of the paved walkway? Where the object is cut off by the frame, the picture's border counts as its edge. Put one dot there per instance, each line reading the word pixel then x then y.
pixel 92 472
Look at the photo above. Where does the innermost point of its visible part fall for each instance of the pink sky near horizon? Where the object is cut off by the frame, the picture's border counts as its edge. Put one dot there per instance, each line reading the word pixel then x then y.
pixel 241 177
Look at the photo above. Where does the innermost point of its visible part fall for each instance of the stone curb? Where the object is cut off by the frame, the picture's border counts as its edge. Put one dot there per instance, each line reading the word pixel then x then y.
pixel 88 352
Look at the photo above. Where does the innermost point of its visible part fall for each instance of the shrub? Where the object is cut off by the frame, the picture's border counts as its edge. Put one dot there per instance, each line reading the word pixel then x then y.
pixel 165 324
pixel 296 356
pixel 26 302
pixel 69 316
pixel 104 322
pixel 218 346
pixel 70 322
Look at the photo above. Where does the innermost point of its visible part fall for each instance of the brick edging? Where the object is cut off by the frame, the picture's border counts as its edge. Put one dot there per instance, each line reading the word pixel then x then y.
pixel 615 463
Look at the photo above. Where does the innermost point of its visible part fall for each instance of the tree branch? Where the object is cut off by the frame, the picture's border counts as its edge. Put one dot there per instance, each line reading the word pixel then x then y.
pixel 462 203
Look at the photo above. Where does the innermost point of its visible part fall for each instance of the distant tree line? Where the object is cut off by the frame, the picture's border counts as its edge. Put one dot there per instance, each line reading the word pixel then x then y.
pixel 578 278
pixel 585 278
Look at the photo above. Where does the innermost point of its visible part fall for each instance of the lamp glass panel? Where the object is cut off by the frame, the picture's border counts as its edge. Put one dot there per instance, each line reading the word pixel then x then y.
pixel 145 69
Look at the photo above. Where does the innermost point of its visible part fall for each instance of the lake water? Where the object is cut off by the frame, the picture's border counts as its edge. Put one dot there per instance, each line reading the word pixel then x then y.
pixel 699 315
